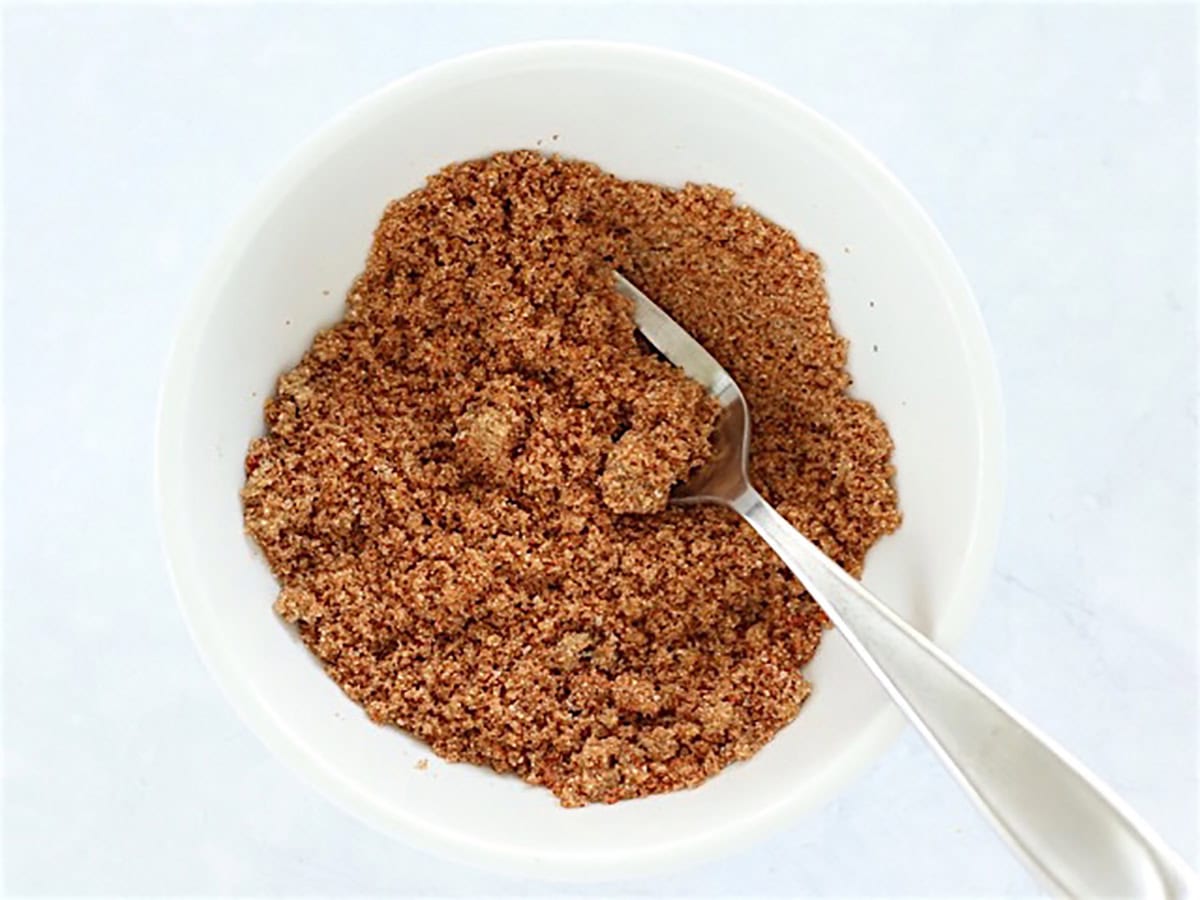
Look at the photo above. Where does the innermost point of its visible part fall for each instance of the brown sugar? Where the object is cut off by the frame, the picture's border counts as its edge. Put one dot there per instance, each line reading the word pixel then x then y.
pixel 462 487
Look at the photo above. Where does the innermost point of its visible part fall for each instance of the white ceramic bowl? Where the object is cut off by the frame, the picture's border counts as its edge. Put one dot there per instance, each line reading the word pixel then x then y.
pixel 642 113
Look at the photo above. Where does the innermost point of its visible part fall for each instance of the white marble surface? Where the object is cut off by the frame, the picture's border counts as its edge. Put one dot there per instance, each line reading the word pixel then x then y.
pixel 1055 147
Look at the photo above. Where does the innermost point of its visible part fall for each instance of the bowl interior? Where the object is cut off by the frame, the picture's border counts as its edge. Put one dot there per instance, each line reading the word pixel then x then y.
pixel 918 352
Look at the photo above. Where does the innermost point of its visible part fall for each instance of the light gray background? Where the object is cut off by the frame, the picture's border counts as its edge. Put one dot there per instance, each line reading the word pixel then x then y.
pixel 1054 146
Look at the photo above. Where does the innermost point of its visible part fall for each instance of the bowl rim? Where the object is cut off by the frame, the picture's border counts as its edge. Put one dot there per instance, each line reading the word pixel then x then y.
pixel 179 374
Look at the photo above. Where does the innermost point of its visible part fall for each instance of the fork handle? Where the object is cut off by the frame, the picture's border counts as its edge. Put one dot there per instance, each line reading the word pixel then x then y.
pixel 1068 828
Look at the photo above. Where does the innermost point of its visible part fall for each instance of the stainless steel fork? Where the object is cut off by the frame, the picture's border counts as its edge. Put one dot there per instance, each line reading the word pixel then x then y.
pixel 1070 829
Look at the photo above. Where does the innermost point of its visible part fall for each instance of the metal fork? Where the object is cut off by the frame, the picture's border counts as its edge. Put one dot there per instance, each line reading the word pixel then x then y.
pixel 1068 828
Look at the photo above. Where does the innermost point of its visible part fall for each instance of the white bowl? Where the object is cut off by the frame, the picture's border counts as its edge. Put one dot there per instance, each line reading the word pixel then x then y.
pixel 918 352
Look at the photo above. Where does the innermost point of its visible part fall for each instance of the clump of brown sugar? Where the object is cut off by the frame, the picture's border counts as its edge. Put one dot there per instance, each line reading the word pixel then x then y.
pixel 462 487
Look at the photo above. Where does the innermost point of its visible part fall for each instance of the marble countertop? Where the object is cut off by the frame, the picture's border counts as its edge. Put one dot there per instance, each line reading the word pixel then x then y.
pixel 1054 146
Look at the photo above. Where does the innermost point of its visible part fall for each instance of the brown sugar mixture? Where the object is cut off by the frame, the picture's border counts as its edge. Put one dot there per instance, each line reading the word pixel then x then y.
pixel 462 488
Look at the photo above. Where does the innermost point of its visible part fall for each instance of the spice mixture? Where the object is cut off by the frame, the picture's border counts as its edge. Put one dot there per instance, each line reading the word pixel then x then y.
pixel 462 487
